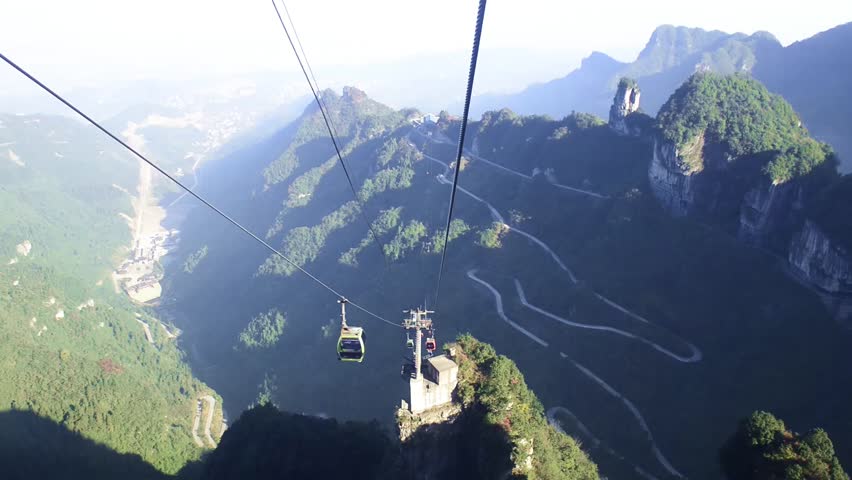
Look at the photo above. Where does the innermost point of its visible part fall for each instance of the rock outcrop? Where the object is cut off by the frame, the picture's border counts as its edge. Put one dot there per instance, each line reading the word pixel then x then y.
pixel 626 102
pixel 819 261
pixel 354 95
pixel 671 178
pixel 24 248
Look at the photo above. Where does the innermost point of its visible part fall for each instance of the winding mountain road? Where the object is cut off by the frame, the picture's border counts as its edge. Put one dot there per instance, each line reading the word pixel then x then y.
pixel 147 330
pixel 514 172
pixel 195 422
pixel 696 353
pixel 499 218
pixel 695 356
pixel 498 303
pixel 211 408
pixel 633 410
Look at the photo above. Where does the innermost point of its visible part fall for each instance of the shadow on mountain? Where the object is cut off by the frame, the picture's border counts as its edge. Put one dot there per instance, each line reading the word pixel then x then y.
pixel 268 443
pixel 36 447
pixel 467 448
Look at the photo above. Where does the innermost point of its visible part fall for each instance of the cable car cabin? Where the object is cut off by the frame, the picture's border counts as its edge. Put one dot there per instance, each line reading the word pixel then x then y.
pixel 350 346
pixel 431 344
pixel 409 343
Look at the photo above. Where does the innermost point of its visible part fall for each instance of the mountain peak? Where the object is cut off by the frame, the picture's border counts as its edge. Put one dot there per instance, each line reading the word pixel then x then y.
pixel 764 35
pixel 597 60
pixel 670 44
pixel 354 95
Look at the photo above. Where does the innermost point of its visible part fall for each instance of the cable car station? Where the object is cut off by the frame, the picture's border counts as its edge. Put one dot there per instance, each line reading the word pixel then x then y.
pixel 433 385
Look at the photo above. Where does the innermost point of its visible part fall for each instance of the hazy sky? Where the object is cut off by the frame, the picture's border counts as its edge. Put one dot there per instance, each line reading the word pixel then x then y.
pixel 68 41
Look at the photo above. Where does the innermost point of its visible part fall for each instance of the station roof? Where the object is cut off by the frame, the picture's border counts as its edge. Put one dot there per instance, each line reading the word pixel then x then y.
pixel 442 363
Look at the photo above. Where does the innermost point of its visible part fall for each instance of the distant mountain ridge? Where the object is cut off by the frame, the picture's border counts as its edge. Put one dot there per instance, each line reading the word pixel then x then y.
pixel 812 74
pixel 815 76
pixel 670 56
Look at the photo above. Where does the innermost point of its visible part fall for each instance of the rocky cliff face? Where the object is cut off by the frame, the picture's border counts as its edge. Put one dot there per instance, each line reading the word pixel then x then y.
pixel 817 260
pixel 768 208
pixel 354 95
pixel 687 182
pixel 671 178
pixel 626 101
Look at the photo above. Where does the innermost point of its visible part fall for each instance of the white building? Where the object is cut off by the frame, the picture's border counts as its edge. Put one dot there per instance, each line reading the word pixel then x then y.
pixel 436 385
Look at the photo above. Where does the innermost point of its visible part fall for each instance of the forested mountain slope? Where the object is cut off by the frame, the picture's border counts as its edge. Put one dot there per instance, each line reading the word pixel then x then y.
pixel 74 351
pixel 630 325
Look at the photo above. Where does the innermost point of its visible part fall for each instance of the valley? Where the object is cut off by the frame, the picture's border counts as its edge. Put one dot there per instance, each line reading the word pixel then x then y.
pixel 578 290
pixel 642 296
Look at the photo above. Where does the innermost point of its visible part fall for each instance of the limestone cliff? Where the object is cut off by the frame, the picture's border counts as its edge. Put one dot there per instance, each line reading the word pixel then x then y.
pixel 767 210
pixel 672 174
pixel 731 154
pixel 819 261
pixel 626 102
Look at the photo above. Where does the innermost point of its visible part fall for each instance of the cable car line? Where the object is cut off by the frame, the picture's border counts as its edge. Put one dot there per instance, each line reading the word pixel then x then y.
pixel 326 119
pixel 480 16
pixel 307 62
pixel 187 189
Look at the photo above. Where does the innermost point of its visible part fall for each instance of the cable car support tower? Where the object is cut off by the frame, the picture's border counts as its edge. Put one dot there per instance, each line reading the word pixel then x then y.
pixel 418 321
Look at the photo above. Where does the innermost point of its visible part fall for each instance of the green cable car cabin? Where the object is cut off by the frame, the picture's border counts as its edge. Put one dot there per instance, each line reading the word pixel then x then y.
pixel 350 346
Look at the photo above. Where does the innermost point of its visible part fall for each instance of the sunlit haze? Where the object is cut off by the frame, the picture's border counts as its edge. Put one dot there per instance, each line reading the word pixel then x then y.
pixel 97 41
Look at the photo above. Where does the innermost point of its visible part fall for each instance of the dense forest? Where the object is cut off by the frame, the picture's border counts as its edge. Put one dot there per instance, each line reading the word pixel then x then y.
pixel 740 114
pixel 74 350
pixel 630 325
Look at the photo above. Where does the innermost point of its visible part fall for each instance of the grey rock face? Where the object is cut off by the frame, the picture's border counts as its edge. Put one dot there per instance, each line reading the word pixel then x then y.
pixel 766 209
pixel 626 101
pixel 671 180
pixel 817 260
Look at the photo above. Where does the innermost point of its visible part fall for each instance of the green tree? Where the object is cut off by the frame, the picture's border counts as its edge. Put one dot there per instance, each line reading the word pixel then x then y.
pixel 493 384
pixel 763 448
pixel 263 331
pixel 405 240
pixel 492 237
pixel 458 227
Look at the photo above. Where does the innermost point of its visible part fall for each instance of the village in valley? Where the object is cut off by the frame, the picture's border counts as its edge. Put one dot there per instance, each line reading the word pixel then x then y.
pixel 140 274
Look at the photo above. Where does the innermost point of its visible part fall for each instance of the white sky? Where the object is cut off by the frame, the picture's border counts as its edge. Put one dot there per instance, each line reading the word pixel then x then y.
pixel 69 41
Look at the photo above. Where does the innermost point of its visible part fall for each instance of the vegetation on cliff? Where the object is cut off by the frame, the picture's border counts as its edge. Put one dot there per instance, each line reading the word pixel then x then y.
pixel 744 118
pixel 263 330
pixel 764 448
pixel 355 117
pixel 493 384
